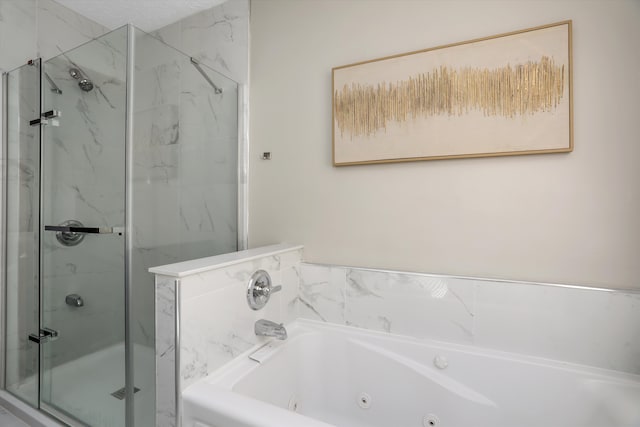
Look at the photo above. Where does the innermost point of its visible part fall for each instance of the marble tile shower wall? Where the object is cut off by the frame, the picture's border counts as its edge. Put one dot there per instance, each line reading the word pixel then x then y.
pixel 18 35
pixel 61 29
pixel 40 28
pixel 578 325
pixel 155 173
pixel 218 37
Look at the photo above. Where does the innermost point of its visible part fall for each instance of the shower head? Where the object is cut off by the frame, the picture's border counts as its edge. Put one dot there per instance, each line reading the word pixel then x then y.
pixel 84 83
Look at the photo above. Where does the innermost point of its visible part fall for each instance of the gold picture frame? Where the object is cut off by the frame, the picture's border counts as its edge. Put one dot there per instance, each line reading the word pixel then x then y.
pixel 503 95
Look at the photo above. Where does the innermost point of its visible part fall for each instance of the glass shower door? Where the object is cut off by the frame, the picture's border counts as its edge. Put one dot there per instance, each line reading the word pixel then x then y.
pixel 83 243
pixel 22 316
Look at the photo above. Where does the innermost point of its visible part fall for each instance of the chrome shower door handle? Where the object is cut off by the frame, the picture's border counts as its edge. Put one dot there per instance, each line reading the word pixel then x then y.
pixel 72 232
pixel 275 289
pixel 84 230
pixel 44 335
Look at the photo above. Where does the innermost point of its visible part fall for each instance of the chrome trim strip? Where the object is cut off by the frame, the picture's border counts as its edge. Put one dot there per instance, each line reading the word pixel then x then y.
pixel 40 246
pixel 485 279
pixel 3 230
pixel 128 222
pixel 243 167
pixel 176 349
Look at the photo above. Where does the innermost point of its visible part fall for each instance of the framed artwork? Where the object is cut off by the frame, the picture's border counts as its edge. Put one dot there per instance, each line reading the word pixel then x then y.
pixel 508 94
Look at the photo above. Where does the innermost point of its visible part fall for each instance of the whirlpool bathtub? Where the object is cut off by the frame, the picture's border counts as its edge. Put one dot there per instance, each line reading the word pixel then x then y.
pixel 328 375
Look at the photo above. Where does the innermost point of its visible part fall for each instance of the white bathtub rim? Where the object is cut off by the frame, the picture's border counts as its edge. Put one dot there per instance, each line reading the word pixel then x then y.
pixel 476 350
pixel 225 376
pixel 219 386
pixel 228 405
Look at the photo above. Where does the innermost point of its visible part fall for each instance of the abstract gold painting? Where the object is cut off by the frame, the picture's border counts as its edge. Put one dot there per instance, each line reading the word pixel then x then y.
pixel 507 94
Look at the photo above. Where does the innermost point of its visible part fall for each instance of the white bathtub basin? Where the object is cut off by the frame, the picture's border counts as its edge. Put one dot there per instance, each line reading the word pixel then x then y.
pixel 326 375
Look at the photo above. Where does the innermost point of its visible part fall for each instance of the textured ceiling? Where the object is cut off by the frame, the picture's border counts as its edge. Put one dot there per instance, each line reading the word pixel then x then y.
pixel 148 15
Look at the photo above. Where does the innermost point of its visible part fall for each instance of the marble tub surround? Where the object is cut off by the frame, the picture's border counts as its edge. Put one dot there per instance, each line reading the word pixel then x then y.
pixel 402 303
pixel 203 321
pixel 575 324
pixel 202 317
pixel 166 345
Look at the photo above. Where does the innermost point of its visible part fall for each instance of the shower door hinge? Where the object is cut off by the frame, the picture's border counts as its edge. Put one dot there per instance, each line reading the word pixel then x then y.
pixel 45 335
pixel 46 118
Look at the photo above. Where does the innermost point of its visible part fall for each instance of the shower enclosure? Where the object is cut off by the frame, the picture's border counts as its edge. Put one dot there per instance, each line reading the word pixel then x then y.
pixel 121 154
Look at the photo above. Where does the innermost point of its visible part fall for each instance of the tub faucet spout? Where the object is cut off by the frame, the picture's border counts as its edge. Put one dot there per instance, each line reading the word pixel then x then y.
pixel 267 328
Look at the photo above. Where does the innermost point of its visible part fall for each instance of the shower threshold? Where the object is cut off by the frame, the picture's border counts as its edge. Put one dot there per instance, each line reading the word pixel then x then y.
pixel 85 388
pixel 16 413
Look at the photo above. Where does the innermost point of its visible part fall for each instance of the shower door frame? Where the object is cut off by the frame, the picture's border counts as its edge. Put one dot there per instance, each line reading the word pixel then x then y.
pixel 3 221
pixel 129 374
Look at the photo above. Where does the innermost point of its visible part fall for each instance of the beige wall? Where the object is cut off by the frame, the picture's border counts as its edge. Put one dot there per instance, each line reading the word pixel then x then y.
pixel 567 218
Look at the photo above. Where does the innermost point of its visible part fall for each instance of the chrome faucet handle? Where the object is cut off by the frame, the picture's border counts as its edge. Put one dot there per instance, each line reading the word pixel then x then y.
pixel 274 289
pixel 260 289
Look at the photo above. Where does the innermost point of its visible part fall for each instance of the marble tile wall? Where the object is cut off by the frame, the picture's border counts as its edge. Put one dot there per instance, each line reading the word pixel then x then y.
pixel 216 323
pixel 18 35
pixel 166 349
pixel 400 303
pixel 60 29
pixel 156 172
pixel 218 37
pixel 40 28
pixel 578 325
